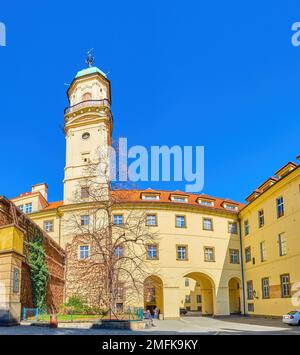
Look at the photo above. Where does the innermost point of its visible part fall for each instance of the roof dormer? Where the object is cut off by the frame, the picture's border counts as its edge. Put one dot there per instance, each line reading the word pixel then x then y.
pixel 206 201
pixel 267 184
pixel 150 195
pixel 231 206
pixel 253 196
pixel 179 198
pixel 286 169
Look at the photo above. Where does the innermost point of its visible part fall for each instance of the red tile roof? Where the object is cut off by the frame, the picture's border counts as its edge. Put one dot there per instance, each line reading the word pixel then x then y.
pixel 132 196
pixel 52 205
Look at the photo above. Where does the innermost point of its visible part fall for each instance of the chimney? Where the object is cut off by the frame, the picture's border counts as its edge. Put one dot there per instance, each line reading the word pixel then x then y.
pixel 42 188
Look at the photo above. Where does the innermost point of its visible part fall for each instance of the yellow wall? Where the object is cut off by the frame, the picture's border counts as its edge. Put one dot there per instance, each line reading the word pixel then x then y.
pixel 11 250
pixel 11 239
pixel 275 265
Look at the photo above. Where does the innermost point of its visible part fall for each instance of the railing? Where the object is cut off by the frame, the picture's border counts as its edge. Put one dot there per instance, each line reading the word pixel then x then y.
pixel 87 103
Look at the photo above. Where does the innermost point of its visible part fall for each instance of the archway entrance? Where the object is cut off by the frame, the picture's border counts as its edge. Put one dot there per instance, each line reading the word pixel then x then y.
pixel 198 296
pixel 234 286
pixel 153 294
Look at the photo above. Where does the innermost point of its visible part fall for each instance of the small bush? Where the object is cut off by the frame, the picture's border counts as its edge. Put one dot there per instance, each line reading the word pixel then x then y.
pixel 76 305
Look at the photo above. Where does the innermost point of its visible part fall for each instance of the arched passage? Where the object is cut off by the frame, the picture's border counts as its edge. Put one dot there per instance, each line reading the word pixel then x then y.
pixel 234 287
pixel 153 294
pixel 206 291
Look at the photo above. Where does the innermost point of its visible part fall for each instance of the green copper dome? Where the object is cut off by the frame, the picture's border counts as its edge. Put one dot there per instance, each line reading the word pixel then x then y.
pixel 88 71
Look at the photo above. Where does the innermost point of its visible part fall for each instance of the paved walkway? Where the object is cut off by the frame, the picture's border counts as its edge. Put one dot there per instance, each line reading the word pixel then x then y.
pixel 185 325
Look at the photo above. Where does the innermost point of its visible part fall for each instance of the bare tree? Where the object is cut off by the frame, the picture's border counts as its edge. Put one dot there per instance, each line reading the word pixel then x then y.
pixel 115 266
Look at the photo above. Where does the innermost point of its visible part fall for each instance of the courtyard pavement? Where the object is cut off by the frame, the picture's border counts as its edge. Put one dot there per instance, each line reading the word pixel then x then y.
pixel 185 325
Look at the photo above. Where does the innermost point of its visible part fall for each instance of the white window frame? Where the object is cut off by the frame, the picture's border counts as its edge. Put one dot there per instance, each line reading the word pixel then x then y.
pixel 84 252
pixel 180 221
pixel 234 255
pixel 282 244
pixel 280 207
pixel 207 224
pixel 151 219
pixel 84 220
pixel 181 252
pixel 262 248
pixel 28 207
pixel 118 219
pixel 152 251
pixel 209 254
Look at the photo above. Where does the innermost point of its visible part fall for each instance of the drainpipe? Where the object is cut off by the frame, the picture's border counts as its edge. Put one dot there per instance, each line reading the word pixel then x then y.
pixel 242 267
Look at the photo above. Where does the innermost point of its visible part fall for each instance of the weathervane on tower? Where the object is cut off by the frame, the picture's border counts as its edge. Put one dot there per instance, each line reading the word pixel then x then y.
pixel 90 58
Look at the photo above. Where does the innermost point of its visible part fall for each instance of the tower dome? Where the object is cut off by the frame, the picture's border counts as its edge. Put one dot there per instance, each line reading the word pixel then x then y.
pixel 89 70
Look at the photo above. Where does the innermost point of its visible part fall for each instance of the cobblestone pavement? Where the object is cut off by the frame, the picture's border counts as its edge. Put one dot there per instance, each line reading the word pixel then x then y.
pixel 185 325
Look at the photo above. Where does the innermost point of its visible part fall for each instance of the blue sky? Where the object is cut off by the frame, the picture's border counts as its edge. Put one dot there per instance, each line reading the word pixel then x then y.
pixel 219 74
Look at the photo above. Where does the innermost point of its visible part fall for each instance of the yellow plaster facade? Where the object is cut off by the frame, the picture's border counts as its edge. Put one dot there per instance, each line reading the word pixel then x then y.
pixel 274 246
pixel 212 260
pixel 11 254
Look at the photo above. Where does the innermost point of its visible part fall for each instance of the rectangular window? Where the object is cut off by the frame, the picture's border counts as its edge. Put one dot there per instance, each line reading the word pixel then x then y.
pixel 232 227
pixel 119 251
pixel 285 285
pixel 180 222
pixel 181 252
pixel 16 280
pixel 250 290
pixel 152 252
pixel 280 207
pixel 48 226
pixel 198 299
pixel 207 224
pixel 234 256
pixel 151 220
pixel 265 287
pixel 21 208
pixel 150 197
pixel 248 254
pixel 246 227
pixel 179 199
pixel 282 244
pixel 187 299
pixel 261 218
pixel 85 220
pixel 209 254
pixel 85 192
pixel 262 251
pixel 118 219
pixel 206 203
pixel 84 252
pixel 187 282
pixel 28 208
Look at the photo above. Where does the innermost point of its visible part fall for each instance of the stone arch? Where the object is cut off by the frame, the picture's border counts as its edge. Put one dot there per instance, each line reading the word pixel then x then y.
pixel 153 293
pixel 207 289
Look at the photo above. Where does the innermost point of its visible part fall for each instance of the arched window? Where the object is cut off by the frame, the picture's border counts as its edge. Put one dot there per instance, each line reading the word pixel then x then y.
pixel 87 96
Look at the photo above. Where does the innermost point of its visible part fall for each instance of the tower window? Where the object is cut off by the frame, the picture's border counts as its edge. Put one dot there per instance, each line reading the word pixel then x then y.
pixel 85 192
pixel 85 135
pixel 87 96
pixel 85 157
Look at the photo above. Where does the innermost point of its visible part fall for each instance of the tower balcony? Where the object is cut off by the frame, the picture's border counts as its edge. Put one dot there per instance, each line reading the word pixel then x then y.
pixel 86 104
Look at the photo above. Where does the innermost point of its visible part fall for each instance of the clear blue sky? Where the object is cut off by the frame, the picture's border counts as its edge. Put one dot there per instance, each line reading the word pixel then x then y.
pixel 222 74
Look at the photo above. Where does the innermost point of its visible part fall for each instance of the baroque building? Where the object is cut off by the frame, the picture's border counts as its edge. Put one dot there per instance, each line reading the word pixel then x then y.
pixel 213 256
